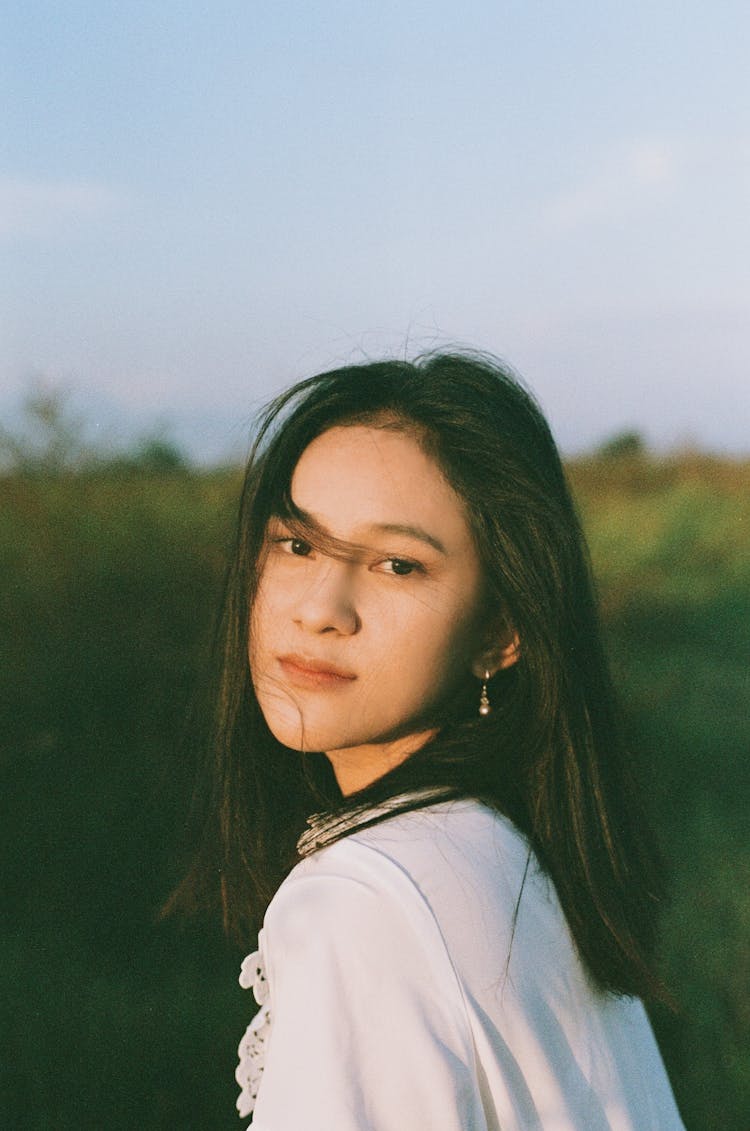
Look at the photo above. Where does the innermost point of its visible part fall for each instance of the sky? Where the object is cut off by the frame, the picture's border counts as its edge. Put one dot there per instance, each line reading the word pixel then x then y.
pixel 201 203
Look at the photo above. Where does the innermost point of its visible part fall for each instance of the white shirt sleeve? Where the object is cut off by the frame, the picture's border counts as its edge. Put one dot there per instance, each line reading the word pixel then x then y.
pixel 368 1026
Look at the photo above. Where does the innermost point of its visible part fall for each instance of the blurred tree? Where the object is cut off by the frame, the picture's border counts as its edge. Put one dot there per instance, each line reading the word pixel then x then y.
pixel 628 444
pixel 157 454
pixel 51 439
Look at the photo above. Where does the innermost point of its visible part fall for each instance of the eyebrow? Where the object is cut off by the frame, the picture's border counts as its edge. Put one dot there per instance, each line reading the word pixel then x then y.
pixel 405 528
pixel 410 532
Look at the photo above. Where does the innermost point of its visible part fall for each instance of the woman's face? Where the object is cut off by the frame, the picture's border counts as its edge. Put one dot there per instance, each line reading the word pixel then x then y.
pixel 351 654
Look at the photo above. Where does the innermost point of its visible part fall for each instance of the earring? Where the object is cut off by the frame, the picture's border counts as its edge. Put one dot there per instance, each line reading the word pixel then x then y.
pixel 484 703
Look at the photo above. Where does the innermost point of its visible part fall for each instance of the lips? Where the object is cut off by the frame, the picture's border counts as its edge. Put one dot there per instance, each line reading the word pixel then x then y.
pixel 305 671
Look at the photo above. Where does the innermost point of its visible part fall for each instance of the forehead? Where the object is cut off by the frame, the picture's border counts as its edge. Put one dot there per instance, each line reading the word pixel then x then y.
pixel 356 476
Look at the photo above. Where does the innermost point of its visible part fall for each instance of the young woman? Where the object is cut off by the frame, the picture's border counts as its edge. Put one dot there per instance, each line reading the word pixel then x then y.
pixel 419 784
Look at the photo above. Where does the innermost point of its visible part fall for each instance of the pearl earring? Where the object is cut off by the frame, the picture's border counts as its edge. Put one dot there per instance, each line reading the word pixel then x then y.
pixel 484 703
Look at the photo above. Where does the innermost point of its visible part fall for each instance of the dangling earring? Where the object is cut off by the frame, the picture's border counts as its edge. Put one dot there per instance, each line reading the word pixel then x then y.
pixel 484 703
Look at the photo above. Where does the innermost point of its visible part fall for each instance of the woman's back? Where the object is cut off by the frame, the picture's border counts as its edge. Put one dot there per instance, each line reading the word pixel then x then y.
pixel 422 975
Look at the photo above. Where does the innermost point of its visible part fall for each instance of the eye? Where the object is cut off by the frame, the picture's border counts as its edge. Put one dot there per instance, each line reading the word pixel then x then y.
pixel 401 567
pixel 296 546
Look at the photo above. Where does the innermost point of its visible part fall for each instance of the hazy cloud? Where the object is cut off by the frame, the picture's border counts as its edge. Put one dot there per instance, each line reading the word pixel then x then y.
pixel 633 176
pixel 39 208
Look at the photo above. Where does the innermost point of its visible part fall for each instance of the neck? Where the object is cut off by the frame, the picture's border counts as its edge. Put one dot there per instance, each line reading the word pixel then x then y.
pixel 359 766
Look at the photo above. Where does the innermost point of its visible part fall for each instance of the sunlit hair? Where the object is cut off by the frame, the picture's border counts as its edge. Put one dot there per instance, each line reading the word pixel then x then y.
pixel 550 755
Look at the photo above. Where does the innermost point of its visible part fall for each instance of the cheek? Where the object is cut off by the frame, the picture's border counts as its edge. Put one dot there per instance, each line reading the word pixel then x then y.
pixel 432 650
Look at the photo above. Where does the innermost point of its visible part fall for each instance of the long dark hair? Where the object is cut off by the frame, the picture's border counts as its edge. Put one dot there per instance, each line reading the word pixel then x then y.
pixel 550 756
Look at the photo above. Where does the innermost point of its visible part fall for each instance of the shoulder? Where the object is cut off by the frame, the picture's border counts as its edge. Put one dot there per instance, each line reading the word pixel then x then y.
pixel 462 833
pixel 460 836
pixel 454 853
pixel 349 887
pixel 358 970
pixel 373 881
pixel 349 928
pixel 408 877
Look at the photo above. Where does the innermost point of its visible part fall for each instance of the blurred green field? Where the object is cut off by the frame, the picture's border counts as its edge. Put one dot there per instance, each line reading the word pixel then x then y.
pixel 110 576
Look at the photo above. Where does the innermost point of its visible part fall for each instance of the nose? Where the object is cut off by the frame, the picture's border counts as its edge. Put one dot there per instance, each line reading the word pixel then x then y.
pixel 327 603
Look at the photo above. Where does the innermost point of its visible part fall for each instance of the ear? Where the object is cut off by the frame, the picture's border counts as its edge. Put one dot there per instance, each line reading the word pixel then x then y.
pixel 500 654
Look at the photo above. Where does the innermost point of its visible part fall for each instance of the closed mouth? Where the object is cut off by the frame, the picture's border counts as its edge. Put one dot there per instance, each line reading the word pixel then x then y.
pixel 305 666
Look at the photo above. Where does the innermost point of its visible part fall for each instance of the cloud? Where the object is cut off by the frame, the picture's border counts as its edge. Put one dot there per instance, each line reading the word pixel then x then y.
pixel 633 176
pixel 40 208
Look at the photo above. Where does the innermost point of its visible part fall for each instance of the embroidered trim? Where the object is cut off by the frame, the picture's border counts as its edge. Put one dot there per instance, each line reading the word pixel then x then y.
pixel 252 1047
pixel 325 828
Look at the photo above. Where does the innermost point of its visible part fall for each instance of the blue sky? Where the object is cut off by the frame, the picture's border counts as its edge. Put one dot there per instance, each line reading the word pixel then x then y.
pixel 200 203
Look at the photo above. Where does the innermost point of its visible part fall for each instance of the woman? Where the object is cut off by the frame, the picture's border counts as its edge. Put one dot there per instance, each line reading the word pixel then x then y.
pixel 459 938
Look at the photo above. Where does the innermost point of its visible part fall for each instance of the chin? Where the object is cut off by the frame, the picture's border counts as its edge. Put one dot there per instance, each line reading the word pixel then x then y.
pixel 304 736
pixel 295 735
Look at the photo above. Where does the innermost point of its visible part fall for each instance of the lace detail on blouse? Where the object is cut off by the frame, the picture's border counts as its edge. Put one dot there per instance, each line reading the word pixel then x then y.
pixel 252 1049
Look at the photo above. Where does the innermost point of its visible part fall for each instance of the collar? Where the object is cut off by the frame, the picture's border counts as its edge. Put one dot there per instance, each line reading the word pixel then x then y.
pixel 326 827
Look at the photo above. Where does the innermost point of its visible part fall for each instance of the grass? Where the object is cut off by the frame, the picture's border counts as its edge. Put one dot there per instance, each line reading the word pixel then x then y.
pixel 670 544
pixel 110 578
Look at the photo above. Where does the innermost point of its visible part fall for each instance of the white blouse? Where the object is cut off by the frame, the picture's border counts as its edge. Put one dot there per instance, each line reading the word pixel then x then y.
pixel 405 986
